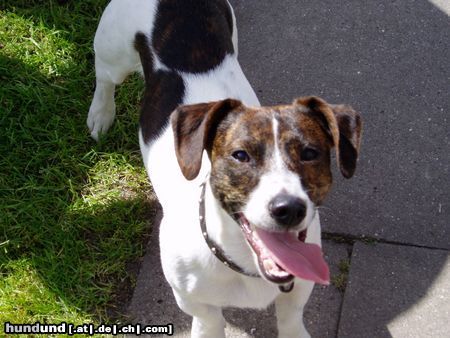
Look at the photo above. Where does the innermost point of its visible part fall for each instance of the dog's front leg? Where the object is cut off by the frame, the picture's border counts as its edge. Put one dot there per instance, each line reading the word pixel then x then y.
pixel 289 310
pixel 207 320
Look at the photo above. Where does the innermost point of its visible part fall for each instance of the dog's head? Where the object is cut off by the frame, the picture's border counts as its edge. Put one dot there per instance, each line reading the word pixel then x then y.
pixel 270 168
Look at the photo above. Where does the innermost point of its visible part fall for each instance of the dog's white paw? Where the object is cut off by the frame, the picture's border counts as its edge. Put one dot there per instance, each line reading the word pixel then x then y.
pixel 100 119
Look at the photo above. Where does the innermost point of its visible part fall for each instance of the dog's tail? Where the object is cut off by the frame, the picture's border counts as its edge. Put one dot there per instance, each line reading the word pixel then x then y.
pixel 141 44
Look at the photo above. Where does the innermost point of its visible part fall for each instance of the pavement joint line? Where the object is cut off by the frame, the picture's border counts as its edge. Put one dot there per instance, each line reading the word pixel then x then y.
pixel 341 306
pixel 352 239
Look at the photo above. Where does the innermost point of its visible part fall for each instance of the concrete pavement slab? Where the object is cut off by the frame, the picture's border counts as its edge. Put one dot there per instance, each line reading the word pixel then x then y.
pixel 153 301
pixel 322 312
pixel 396 291
pixel 389 59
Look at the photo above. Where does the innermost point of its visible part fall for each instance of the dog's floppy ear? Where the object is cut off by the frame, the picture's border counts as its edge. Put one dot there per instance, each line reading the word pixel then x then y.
pixel 194 127
pixel 343 125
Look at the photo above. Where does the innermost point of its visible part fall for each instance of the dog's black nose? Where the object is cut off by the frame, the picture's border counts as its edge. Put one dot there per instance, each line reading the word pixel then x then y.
pixel 287 210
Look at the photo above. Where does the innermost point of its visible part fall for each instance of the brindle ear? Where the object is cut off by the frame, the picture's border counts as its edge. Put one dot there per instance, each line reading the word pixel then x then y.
pixel 343 125
pixel 194 127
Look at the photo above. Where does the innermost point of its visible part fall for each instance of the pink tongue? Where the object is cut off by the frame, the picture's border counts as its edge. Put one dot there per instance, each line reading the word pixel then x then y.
pixel 300 259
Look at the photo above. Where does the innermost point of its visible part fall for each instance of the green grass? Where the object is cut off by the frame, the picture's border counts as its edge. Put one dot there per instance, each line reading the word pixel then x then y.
pixel 73 213
pixel 340 280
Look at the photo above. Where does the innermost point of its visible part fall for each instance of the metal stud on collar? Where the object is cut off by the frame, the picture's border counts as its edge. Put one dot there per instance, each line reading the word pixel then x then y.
pixel 286 288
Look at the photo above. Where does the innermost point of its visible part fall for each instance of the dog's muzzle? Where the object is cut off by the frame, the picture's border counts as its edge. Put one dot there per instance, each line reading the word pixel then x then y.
pixel 282 255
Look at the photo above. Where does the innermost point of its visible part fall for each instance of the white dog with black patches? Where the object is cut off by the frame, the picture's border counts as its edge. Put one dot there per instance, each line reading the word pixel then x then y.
pixel 239 184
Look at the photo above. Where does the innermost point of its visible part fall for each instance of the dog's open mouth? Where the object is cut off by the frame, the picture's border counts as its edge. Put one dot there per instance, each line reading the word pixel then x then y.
pixel 283 255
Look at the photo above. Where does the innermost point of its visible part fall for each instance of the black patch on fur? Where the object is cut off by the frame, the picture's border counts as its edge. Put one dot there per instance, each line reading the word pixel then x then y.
pixel 193 35
pixel 142 46
pixel 164 91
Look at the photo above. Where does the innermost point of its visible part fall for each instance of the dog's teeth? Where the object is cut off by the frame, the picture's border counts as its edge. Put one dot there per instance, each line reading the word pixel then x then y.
pixel 268 265
pixel 271 267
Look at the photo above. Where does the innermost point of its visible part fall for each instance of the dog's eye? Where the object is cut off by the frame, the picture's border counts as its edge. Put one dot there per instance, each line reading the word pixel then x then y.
pixel 309 154
pixel 241 156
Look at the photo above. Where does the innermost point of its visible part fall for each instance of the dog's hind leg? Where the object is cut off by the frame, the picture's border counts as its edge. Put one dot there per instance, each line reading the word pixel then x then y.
pixel 289 310
pixel 103 108
pixel 207 320
pixel 115 56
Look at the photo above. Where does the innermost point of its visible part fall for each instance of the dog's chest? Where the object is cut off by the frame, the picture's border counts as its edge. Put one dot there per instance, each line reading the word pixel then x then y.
pixel 224 289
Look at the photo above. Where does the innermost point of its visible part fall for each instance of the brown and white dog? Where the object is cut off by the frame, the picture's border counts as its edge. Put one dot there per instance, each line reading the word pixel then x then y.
pixel 239 184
